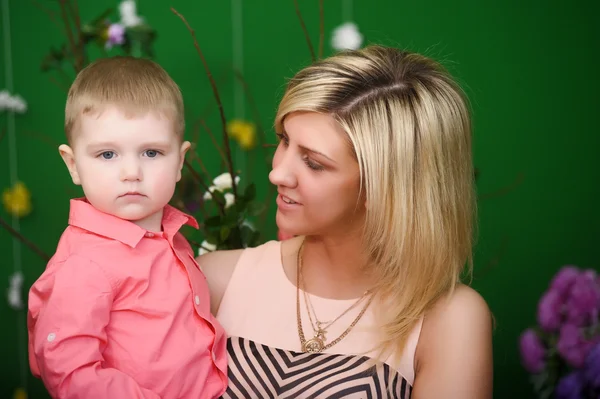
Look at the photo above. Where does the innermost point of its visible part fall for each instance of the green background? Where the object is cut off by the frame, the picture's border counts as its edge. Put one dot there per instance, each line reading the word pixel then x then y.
pixel 530 69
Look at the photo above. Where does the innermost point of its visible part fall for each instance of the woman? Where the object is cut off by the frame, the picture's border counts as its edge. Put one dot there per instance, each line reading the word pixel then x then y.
pixel 375 181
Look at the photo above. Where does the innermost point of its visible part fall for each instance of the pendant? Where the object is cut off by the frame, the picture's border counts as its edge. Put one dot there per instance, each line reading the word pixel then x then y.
pixel 316 343
pixel 313 345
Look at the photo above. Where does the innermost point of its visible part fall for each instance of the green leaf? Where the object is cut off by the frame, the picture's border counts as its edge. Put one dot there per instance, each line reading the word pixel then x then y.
pixel 211 237
pixel 250 192
pixel 213 221
pixel 225 231
pixel 218 197
pixel 255 208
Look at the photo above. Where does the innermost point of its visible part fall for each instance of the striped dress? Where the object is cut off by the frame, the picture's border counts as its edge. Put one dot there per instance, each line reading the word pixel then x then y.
pixel 258 312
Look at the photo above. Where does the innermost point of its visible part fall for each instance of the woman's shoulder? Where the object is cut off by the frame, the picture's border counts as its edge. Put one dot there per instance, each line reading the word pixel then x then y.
pixel 219 266
pixel 457 329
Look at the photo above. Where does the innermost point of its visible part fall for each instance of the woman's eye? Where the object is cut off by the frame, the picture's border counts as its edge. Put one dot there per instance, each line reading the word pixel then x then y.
pixel 313 165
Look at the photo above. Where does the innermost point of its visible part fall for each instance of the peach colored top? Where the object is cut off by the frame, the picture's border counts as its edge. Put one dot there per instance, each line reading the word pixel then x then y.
pixel 258 312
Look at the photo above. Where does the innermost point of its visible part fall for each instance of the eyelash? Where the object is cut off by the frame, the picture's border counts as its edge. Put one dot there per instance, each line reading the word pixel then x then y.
pixel 312 165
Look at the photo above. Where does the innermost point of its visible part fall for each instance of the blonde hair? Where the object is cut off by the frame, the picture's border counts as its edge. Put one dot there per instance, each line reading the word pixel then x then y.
pixel 409 126
pixel 134 85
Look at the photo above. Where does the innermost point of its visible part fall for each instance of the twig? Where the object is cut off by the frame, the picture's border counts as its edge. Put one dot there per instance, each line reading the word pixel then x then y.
pixel 218 100
pixel 57 84
pixel 65 18
pixel 24 240
pixel 42 137
pixel 505 190
pixel 214 140
pixel 80 44
pixel 261 136
pixel 198 178
pixel 197 158
pixel 321 28
pixel 306 36
pixel 50 14
pixel 494 261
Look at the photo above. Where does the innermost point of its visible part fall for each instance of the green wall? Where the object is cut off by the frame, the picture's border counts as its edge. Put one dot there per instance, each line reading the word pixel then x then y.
pixel 529 68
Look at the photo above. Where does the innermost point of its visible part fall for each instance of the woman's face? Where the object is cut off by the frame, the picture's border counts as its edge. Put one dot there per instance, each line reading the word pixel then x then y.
pixel 317 177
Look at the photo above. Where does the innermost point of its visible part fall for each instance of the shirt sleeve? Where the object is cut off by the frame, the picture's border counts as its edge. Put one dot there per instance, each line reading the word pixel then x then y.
pixel 68 314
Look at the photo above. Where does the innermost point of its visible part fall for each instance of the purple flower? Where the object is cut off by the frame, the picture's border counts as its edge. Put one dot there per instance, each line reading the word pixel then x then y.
pixel 591 369
pixel 533 352
pixel 192 206
pixel 116 35
pixel 563 280
pixel 549 311
pixel 572 346
pixel 570 386
pixel 583 302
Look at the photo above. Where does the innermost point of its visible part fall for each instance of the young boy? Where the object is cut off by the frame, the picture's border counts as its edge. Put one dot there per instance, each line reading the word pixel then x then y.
pixel 122 310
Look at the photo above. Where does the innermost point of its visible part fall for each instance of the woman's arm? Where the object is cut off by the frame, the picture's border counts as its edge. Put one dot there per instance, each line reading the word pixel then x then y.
pixel 454 354
pixel 218 267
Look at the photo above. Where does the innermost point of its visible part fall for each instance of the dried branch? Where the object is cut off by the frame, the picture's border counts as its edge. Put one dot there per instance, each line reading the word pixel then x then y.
pixel 80 45
pixel 505 190
pixel 262 139
pixel 59 85
pixel 197 158
pixel 50 14
pixel 65 18
pixel 24 240
pixel 218 100
pixel 198 178
pixel 306 36
pixel 214 140
pixel 321 28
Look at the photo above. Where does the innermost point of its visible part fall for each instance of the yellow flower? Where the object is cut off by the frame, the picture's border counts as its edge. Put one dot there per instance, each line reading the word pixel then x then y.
pixel 244 132
pixel 20 393
pixel 17 200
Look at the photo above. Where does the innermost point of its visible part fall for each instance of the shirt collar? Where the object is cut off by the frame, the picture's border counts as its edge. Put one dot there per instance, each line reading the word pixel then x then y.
pixel 83 215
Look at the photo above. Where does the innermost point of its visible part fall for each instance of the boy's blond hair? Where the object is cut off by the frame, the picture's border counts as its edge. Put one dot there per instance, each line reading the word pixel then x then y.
pixel 134 85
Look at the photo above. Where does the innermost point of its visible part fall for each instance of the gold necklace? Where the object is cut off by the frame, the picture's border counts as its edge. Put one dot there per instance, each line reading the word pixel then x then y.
pixel 316 344
pixel 320 327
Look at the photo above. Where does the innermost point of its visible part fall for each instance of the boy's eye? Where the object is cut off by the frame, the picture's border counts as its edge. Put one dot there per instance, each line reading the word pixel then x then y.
pixel 107 155
pixel 151 153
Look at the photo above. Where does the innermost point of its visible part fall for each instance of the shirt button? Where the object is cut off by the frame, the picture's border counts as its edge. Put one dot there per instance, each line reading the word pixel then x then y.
pixel 51 337
pixel 197 300
pixel 149 235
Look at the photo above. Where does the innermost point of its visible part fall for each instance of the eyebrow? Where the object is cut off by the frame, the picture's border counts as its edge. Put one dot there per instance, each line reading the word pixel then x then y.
pixel 316 152
pixel 109 144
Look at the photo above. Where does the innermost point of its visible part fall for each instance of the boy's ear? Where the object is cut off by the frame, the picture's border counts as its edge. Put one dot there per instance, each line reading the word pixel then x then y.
pixel 185 146
pixel 69 158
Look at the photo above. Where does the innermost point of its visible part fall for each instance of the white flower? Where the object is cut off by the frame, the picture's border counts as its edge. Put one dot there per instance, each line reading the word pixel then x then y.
pixel 206 247
pixel 129 17
pixel 207 195
pixel 14 291
pixel 346 37
pixel 229 200
pixel 223 181
pixel 12 103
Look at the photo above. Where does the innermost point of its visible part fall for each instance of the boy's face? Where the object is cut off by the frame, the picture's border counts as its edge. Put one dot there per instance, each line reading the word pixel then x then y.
pixel 127 167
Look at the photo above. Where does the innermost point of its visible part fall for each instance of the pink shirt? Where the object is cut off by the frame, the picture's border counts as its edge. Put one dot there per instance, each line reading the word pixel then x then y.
pixel 121 312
